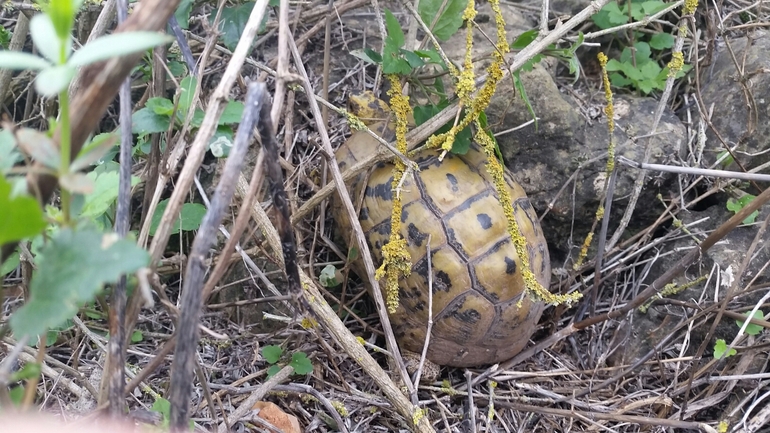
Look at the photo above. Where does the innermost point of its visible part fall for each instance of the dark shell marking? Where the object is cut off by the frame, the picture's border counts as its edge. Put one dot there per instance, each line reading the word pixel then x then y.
pixel 477 279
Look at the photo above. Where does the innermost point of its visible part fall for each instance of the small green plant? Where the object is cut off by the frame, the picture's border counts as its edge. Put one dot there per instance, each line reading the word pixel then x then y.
pixel 190 217
pixel 735 205
pixel 159 113
pixel 162 407
pixel 75 258
pixel 720 350
pixel 330 276
pixel 299 361
pixel 751 328
pixel 639 64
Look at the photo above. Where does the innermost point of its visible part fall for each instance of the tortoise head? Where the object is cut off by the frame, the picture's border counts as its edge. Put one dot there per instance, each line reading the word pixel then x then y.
pixel 367 107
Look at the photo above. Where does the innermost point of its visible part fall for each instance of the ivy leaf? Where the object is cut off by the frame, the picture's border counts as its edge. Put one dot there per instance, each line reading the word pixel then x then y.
pixel 232 22
pixel 661 41
pixel 232 114
pixel 146 121
pixel 62 284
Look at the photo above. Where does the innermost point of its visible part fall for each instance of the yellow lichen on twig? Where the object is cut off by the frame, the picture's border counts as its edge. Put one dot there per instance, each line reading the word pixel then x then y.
pixel 396 260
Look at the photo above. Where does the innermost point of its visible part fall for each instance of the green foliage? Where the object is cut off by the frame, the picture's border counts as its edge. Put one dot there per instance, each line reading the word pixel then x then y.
pixel 28 371
pixel 163 407
pixel 450 20
pixel 751 328
pixel 11 263
pixel 190 217
pixel 62 283
pixel 639 67
pixel 463 139
pixel 736 206
pixel 233 22
pixel 5 38
pixel 720 350
pixel 21 216
pixel 299 361
pixel 137 336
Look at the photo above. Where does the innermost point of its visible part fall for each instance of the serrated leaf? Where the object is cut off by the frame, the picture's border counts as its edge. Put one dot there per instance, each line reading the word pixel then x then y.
pixel 190 217
pixel 21 216
pixel 450 20
pixel 395 37
pixel 145 121
pixel 232 114
pixel 72 268
pixel 116 45
pixel 51 81
pixel 272 353
pixel 301 363
pixel 39 146
pixel 751 328
pixel 22 61
pixel 661 41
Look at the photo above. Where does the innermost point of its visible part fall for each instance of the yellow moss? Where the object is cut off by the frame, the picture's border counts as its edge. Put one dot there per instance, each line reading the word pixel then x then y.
pixel 689 7
pixel 583 251
pixel 360 340
pixel 417 415
pixel 495 169
pixel 676 63
pixel 340 408
pixel 723 426
pixel 671 289
pixel 396 260
pixel 466 84
pixel 308 323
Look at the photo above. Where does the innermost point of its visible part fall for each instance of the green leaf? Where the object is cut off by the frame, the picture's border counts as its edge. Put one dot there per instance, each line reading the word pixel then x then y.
pixel 395 37
pixel 751 328
pixel 17 395
pixel 5 38
pixel 273 370
pixel 137 336
pixel 145 121
pixel 72 268
pixel 43 33
pixel 77 183
pixel 16 60
pixel 62 13
pixel 105 193
pixel 186 93
pixel 10 264
pixel 301 363
pixel 661 41
pixel 450 20
pixel 736 206
pixel 160 106
pixel 524 39
pixel 51 81
pixel 352 254
pixel 221 142
pixel 393 63
pixel 232 114
pixel 618 80
pixel 272 353
pixel 650 70
pixel 413 59
pixel 720 347
pixel 21 216
pixel 190 217
pixel 116 45
pixel 182 13
pixel 431 55
pixel 368 55
pixel 28 371
pixel 232 22
pixel 653 6
pixel 163 407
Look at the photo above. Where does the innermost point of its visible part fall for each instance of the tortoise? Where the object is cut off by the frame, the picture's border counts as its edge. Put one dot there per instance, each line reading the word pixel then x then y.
pixel 481 314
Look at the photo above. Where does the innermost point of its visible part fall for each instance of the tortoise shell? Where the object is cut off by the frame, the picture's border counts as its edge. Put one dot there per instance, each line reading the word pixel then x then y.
pixel 480 312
